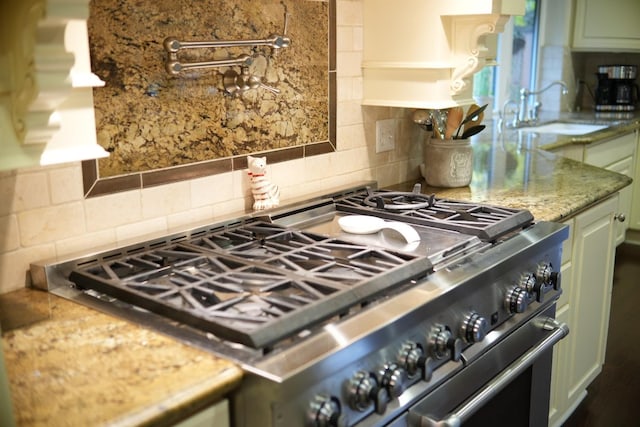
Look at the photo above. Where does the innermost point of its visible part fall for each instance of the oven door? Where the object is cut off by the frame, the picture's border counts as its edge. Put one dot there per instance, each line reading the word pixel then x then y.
pixel 507 385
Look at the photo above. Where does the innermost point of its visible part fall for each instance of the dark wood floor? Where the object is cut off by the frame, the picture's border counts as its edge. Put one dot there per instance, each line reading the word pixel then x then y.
pixel 613 399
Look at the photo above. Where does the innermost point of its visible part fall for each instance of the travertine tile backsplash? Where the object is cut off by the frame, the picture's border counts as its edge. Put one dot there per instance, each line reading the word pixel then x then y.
pixel 43 213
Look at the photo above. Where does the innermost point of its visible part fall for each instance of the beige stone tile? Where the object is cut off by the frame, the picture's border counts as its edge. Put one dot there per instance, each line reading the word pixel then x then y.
pixel 212 189
pixel 350 137
pixel 349 64
pixel 349 12
pixel 344 39
pixel 192 217
pixel 344 90
pixel 290 173
pixel 86 243
pixel 349 113
pixel 66 184
pixel 357 88
pixel 31 191
pixel 166 199
pixel 38 226
pixel 141 230
pixel 113 210
pixel 358 38
pixel 231 208
pixel 7 191
pixel 320 167
pixel 241 185
pixel 9 238
pixel 352 160
pixel 15 265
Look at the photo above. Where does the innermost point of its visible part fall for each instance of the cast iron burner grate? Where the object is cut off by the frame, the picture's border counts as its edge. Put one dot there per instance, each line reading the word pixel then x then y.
pixel 487 222
pixel 254 284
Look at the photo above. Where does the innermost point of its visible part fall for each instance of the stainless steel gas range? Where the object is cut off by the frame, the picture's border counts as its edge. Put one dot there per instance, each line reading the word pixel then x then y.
pixel 365 327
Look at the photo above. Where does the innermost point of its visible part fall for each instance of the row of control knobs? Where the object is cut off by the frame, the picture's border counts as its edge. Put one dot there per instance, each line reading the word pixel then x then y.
pixel 389 382
pixel 367 388
pixel 532 286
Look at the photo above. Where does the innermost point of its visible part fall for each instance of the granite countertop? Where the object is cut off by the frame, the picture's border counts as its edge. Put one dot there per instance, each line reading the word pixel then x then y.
pixel 515 169
pixel 71 365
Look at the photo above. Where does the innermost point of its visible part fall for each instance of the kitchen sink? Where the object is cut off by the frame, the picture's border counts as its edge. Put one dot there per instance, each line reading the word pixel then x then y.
pixel 566 128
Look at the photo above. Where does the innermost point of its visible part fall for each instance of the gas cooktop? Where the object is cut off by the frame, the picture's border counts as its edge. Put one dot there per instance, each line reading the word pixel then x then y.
pixel 262 280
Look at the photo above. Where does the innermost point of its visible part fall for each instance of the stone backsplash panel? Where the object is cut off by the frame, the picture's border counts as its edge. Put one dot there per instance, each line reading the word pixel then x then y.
pixel 148 119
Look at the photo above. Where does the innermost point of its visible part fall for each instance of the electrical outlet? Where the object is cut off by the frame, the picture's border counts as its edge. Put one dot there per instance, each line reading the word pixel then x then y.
pixel 385 135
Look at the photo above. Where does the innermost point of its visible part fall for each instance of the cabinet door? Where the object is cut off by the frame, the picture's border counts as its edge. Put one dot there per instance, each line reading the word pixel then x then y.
pixel 634 221
pixel 606 25
pixel 593 255
pixel 623 213
pixel 617 155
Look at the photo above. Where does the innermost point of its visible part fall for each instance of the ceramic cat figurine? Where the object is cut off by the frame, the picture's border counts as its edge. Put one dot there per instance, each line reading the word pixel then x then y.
pixel 265 194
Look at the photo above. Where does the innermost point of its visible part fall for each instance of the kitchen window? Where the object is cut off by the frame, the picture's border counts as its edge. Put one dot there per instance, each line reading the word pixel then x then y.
pixel 516 60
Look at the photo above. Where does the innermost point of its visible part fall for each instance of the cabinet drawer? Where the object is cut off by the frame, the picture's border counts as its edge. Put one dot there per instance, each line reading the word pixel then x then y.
pixel 624 166
pixel 612 151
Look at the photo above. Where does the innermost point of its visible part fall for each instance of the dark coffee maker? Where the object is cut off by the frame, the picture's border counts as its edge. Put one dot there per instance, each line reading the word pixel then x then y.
pixel 617 90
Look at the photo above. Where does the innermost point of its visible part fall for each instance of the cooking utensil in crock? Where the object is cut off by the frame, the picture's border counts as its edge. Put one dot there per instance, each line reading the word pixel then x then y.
pixel 473 114
pixel 454 118
pixel 366 224
pixel 469 132
pixel 439 119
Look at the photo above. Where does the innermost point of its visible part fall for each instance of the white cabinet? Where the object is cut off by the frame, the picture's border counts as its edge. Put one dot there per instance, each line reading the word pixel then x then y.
pixel 634 220
pixel 617 155
pixel 214 416
pixel 423 53
pixel 606 25
pixel 46 98
pixel 587 280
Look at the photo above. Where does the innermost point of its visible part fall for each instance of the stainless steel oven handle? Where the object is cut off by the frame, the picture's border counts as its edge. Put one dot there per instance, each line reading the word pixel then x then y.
pixel 462 413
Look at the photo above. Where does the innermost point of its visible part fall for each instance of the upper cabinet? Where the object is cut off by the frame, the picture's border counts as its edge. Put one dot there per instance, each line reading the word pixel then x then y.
pixel 46 98
pixel 423 53
pixel 610 25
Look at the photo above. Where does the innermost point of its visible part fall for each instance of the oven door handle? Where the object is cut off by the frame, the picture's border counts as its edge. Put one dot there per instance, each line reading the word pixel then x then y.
pixel 500 381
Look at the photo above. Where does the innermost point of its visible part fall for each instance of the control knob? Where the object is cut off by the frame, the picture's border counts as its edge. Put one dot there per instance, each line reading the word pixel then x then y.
pixel 517 300
pixel 393 378
pixel 442 343
pixel 413 359
pixel 546 279
pixel 528 282
pixel 325 411
pixel 474 328
pixel 363 389
pixel 543 273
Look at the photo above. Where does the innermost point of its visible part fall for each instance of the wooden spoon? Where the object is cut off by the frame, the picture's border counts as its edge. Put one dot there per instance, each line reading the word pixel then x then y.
pixel 453 121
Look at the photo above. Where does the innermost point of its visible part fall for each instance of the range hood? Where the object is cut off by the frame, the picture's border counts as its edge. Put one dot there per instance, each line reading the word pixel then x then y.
pixel 423 53
pixel 46 84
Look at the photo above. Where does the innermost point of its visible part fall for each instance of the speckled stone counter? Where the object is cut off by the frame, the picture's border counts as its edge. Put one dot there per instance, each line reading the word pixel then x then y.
pixel 69 365
pixel 514 169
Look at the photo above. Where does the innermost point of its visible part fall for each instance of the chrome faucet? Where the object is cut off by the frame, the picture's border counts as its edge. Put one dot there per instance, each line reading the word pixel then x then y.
pixel 529 114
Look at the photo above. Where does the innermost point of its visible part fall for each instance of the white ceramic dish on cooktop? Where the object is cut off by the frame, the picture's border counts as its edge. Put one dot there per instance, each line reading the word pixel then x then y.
pixel 365 224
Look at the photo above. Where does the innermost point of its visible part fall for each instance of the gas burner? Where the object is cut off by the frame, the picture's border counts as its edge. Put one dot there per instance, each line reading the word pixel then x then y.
pixel 489 223
pixel 399 200
pixel 255 283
